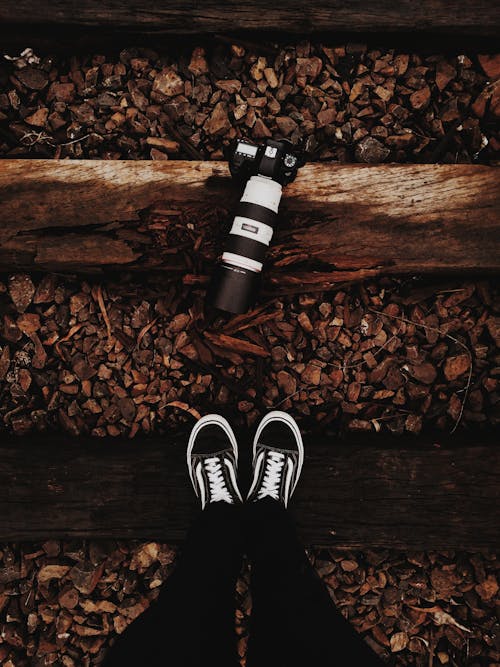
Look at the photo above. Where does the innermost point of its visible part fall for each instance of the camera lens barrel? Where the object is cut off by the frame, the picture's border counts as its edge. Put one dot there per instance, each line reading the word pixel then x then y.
pixel 237 277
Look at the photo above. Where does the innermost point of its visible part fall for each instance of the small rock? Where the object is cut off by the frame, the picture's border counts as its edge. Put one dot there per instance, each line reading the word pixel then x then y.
pixel 454 367
pixel 424 372
pixel 138 98
pixel 132 609
pixel 21 291
pixel 158 155
pixel 459 296
pixel 260 130
pixel 454 407
pixel 349 565
pixel 371 150
pixel 82 369
pixel 198 64
pixel 141 315
pixel 495 101
pixel 46 290
pixel 98 606
pixel 4 362
pixel 311 374
pixel 308 67
pixel 49 572
pixel 326 117
pixel 10 331
pixel 287 383
pixel 168 83
pixel 286 125
pixel 305 322
pixel 444 582
pixel 139 64
pixel 336 376
pixel 83 113
pixel 488 588
pixel 353 391
pixel 493 326
pixel 56 121
pixel 12 634
pixel 38 118
pixel 28 323
pixel 230 86
pixel 85 576
pixel 218 122
pixel 413 423
pixel 32 78
pixel 479 104
pixel 68 598
pixel 257 69
pixel 490 65
pixel 444 74
pixel 420 98
pixel 40 356
pixel 61 92
pixel 77 302
pixel 127 408
pixel 237 50
pixel 399 641
pixel 271 77
pixel 163 144
pixel 144 557
pixel 401 63
pixel 179 323
pixel 119 624
pixel 240 110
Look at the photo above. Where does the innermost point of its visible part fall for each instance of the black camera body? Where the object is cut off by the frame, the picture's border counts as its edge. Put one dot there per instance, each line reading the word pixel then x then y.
pixel 278 160
pixel 265 169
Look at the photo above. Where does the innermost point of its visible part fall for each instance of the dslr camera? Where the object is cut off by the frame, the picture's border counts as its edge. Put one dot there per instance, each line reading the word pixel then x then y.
pixel 265 169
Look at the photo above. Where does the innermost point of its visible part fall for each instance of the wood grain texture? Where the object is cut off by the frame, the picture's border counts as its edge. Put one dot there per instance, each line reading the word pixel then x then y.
pixel 293 16
pixel 337 222
pixel 407 493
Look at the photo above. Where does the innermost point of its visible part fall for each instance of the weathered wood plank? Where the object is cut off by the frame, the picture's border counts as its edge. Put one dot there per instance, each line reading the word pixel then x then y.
pixel 407 493
pixel 351 221
pixel 293 16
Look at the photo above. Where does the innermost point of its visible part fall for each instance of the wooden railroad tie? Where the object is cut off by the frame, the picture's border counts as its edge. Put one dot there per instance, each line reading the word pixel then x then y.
pixel 405 493
pixel 359 221
pixel 481 17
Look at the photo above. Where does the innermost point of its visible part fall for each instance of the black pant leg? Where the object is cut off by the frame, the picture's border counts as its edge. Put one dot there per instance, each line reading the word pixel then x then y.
pixel 294 621
pixel 192 624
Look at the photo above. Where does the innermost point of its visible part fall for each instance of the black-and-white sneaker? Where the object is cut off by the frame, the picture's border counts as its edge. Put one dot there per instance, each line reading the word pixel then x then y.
pixel 212 459
pixel 278 455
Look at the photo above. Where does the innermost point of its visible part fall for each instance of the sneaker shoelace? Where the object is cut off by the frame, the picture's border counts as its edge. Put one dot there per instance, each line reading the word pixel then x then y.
pixel 218 488
pixel 272 476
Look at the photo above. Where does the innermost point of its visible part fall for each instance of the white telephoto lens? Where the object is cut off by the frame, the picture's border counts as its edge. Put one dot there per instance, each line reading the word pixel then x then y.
pixel 253 225
pixel 264 192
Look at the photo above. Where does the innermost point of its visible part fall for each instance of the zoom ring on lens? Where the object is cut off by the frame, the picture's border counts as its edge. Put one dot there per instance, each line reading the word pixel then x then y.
pixel 256 212
pixel 241 245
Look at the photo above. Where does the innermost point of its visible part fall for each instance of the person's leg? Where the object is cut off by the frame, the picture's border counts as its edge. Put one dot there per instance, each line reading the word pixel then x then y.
pixel 192 623
pixel 294 621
